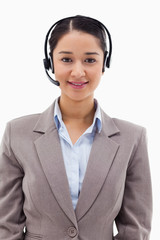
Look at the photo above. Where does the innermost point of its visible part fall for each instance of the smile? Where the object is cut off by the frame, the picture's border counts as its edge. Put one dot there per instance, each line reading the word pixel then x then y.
pixel 78 85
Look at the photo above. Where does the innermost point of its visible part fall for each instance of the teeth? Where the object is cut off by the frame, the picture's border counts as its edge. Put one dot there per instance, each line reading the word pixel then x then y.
pixel 76 84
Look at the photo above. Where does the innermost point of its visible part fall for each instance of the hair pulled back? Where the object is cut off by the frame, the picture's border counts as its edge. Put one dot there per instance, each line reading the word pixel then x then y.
pixel 80 23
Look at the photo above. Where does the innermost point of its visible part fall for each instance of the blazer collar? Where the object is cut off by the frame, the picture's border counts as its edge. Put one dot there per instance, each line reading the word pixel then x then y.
pixel 108 126
pixel 46 122
pixel 49 151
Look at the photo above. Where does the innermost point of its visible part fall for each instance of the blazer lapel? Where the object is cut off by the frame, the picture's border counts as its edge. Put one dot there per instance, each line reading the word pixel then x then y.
pixel 49 151
pixel 101 157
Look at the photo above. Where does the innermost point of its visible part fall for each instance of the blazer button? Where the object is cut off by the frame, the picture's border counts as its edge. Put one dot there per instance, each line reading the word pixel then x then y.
pixel 72 232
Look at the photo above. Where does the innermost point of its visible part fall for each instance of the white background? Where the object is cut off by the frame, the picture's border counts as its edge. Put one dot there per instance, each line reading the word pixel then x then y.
pixel 128 90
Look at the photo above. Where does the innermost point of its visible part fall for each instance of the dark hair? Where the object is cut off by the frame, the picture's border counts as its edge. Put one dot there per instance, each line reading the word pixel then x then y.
pixel 80 23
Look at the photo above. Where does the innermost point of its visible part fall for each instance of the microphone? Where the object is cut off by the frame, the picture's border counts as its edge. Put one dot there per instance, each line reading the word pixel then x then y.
pixel 52 80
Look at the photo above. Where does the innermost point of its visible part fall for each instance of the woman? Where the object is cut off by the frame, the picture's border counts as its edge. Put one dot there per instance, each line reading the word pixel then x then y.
pixel 72 171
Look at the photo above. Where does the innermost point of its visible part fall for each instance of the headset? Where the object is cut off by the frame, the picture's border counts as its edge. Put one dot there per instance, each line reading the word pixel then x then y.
pixel 47 61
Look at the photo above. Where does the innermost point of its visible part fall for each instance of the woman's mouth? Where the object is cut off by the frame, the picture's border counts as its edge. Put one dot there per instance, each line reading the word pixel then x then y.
pixel 77 85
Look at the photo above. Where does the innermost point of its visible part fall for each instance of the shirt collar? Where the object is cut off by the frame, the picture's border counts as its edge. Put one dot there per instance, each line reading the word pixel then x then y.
pixel 57 115
pixel 97 121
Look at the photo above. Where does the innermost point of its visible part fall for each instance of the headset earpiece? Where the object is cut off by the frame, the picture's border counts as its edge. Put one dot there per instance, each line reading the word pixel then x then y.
pixel 105 61
pixel 51 62
pixel 108 61
pixel 47 63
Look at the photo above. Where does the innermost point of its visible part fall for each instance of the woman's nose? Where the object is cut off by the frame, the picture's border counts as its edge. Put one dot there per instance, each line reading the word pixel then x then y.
pixel 78 70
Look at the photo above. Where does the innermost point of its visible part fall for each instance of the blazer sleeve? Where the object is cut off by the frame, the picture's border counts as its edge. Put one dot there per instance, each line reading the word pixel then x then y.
pixel 134 219
pixel 12 218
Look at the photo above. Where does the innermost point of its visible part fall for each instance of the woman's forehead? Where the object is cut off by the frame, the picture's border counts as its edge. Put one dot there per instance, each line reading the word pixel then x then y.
pixel 78 38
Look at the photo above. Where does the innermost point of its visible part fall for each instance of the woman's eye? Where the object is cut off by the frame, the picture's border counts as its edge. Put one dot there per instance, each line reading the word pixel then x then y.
pixel 66 60
pixel 90 60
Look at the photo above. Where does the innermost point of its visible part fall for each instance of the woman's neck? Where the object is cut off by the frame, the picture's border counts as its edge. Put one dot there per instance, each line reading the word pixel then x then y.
pixel 80 111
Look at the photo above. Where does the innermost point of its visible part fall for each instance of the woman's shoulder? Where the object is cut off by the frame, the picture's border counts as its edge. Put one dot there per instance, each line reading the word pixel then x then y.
pixel 25 120
pixel 127 125
pixel 125 128
pixel 129 131
pixel 122 124
pixel 22 126
pixel 28 123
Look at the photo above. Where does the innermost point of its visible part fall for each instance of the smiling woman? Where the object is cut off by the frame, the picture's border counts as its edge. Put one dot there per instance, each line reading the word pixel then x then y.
pixel 78 62
pixel 72 171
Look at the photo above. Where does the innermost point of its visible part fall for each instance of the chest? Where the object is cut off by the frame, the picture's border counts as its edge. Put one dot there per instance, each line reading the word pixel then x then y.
pixel 75 130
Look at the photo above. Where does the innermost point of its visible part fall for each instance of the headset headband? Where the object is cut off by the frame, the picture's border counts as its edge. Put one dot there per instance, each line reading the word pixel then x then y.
pixel 47 60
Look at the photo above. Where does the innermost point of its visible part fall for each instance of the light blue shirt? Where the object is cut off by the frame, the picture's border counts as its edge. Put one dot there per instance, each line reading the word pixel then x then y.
pixel 76 156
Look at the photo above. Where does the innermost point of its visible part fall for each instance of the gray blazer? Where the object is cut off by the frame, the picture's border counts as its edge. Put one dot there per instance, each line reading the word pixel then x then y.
pixel 34 190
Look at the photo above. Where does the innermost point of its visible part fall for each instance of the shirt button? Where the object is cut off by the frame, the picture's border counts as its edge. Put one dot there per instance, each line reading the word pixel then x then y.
pixel 72 232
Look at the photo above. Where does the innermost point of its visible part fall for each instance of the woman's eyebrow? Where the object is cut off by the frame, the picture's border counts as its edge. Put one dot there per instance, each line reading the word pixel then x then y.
pixel 86 53
pixel 92 53
pixel 65 52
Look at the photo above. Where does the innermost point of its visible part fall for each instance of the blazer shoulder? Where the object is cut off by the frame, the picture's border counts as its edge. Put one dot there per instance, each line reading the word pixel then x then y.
pixel 130 134
pixel 25 119
pixel 129 128
pixel 38 122
pixel 24 122
pixel 124 124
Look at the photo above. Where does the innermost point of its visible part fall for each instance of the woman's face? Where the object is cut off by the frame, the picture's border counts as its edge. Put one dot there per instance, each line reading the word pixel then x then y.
pixel 78 63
